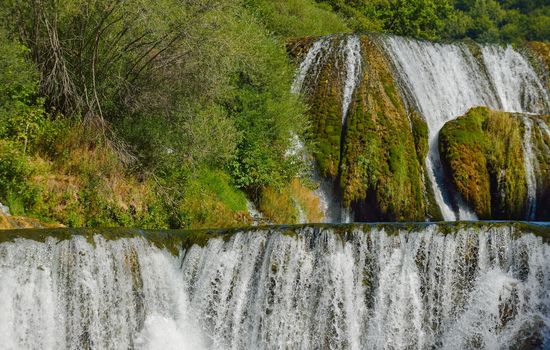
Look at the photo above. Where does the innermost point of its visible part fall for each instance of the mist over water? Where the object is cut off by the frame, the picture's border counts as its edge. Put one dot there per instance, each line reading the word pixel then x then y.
pixel 486 287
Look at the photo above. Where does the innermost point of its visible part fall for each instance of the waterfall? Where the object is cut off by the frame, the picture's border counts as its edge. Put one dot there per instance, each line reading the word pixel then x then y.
pixel 312 61
pixel 444 81
pixel 529 160
pixel 353 59
pixel 119 294
pixel 310 287
pixel 518 87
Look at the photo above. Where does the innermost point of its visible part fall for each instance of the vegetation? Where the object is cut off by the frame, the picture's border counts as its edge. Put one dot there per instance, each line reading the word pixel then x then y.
pixel 382 161
pixel 481 20
pixel 173 114
pixel 483 152
pixel 125 113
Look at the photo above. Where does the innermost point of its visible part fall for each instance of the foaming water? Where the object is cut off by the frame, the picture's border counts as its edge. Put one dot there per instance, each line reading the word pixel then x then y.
pixel 364 287
pixel 373 291
pixel 444 81
pixel 310 64
pixel 353 62
pixel 119 294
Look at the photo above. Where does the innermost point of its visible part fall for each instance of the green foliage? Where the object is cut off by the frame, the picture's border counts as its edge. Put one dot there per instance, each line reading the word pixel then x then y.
pixel 418 18
pixel 297 17
pixel 16 188
pixel 210 201
pixel 481 20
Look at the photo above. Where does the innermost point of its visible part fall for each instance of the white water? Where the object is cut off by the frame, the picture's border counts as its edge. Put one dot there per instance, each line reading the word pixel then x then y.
pixel 529 160
pixel 257 217
pixel 312 62
pixel 353 63
pixel 445 81
pixel 71 295
pixel 264 290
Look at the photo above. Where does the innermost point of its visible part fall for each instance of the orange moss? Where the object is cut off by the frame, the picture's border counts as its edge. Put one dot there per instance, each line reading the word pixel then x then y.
pixel 483 154
pixel 541 51
pixel 290 204
pixel 13 222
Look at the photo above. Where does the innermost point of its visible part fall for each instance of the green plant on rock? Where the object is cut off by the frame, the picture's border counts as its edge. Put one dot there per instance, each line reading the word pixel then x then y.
pixel 383 152
pixel 483 154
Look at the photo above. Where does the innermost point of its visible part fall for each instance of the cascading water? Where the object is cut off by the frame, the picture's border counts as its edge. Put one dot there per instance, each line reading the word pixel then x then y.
pixel 348 55
pixel 444 81
pixel 529 161
pixel 518 87
pixel 347 287
pixel 312 61
pixel 353 58
pixel 118 294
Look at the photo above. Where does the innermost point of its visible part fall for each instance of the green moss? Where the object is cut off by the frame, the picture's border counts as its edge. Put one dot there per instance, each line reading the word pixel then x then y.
pixel 539 53
pixel 483 154
pixel 541 144
pixel 325 102
pixel 177 240
pixel 381 172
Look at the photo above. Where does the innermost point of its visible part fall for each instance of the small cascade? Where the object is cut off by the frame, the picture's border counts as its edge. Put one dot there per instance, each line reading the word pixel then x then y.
pixel 309 287
pixel 255 214
pixel 518 87
pixel 352 53
pixel 444 81
pixel 529 162
pixel 311 63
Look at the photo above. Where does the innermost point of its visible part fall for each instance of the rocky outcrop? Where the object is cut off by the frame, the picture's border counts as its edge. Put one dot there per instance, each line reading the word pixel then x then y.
pixel 484 153
pixel 373 148
pixel 381 173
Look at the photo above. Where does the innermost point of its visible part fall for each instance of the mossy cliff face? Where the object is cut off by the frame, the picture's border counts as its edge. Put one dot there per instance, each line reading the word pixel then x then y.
pixel 484 157
pixel 384 148
pixel 377 158
pixel 540 51
pixel 541 147
pixel 322 89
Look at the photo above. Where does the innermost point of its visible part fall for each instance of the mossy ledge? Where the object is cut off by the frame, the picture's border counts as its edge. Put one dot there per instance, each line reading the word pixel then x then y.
pixel 483 154
pixel 176 240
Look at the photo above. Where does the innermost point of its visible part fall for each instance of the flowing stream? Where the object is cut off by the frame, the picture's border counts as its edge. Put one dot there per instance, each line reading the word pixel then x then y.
pixel 307 287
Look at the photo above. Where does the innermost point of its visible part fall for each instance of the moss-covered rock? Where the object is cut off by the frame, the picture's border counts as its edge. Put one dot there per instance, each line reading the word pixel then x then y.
pixel 324 97
pixel 540 51
pixel 298 47
pixel 384 148
pixel 377 158
pixel 483 154
pixel 541 144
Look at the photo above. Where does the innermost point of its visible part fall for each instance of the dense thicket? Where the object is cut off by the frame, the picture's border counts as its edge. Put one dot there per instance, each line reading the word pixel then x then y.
pixel 481 20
